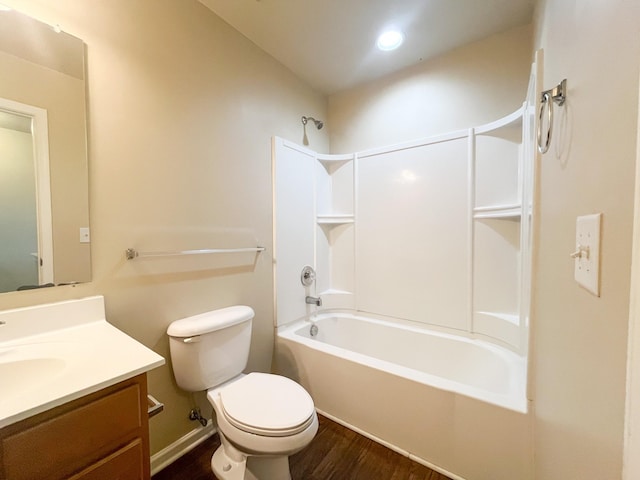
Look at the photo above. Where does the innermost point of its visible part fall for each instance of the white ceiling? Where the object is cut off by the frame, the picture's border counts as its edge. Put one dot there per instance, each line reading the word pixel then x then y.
pixel 331 43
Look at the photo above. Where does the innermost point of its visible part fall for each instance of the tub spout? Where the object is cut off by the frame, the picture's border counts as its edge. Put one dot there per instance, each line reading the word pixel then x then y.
pixel 313 301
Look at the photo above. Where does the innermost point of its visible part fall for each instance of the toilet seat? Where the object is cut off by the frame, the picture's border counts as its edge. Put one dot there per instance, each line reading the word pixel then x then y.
pixel 267 405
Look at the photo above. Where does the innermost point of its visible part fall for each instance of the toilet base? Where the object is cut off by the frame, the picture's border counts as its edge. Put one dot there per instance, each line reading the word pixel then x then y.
pixel 225 468
pixel 228 463
pixel 268 468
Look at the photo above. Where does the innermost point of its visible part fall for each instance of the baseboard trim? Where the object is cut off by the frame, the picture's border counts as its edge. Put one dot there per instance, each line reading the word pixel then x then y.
pixel 390 446
pixel 185 444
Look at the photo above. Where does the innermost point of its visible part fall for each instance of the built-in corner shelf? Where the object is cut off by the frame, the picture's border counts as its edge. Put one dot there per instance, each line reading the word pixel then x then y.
pixel 335 291
pixel 511 318
pixel 340 219
pixel 502 326
pixel 337 298
pixel 504 212
pixel 333 162
pixel 501 189
pixel 512 121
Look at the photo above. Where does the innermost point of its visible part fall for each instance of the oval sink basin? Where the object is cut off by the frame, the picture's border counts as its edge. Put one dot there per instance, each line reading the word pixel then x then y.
pixel 19 376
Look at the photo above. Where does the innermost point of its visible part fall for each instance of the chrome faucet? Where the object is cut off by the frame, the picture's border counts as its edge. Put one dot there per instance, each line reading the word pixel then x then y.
pixel 317 301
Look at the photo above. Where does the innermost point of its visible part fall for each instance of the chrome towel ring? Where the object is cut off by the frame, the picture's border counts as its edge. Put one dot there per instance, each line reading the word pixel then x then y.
pixel 556 95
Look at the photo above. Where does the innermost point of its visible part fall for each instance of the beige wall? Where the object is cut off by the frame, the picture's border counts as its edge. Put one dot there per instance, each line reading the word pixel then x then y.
pixel 181 113
pixel 580 341
pixel 472 85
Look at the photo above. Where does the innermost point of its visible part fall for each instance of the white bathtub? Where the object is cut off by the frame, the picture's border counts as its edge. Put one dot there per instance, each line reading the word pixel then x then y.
pixel 455 404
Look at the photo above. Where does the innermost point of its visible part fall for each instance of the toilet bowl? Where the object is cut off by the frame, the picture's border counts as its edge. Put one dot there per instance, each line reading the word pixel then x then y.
pixel 261 418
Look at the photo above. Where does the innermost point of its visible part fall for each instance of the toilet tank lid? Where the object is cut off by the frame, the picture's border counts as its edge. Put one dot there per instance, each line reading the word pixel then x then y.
pixel 210 321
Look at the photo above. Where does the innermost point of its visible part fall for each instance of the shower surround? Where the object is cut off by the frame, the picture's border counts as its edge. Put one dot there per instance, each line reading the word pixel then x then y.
pixel 414 243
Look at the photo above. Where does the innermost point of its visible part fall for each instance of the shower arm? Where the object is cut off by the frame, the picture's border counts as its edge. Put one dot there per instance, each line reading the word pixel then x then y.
pixel 318 123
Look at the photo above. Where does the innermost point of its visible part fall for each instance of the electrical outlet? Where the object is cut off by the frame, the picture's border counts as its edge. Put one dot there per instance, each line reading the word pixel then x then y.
pixel 587 253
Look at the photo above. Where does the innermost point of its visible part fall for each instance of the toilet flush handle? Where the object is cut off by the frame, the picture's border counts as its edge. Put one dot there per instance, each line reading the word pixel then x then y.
pixel 195 339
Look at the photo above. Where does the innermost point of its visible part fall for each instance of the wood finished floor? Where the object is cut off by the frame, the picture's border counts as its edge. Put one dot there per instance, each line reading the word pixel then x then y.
pixel 336 453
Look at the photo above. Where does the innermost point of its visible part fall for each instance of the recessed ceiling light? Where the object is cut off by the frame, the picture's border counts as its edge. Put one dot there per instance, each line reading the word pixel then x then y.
pixel 390 40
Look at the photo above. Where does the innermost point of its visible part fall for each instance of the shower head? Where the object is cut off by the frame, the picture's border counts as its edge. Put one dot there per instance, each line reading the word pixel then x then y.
pixel 319 123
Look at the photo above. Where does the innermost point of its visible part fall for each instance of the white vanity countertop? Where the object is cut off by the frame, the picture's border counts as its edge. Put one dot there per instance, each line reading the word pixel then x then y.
pixel 52 354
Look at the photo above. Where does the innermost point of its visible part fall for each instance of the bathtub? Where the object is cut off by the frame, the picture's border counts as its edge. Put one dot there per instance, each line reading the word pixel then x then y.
pixel 455 404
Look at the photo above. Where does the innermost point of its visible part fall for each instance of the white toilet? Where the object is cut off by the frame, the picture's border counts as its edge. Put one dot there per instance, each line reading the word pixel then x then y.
pixel 262 418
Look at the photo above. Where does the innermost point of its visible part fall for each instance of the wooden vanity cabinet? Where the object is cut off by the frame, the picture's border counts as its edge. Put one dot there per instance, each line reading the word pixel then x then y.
pixel 102 436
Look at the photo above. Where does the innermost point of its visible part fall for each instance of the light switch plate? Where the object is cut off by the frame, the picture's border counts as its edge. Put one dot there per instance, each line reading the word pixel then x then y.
pixel 587 254
pixel 85 236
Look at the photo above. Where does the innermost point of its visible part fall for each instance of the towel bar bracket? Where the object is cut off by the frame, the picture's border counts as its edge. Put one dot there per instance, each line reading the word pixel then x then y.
pixel 154 407
pixel 558 93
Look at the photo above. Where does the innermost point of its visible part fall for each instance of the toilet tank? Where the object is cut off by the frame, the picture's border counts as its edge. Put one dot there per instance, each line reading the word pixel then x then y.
pixel 210 348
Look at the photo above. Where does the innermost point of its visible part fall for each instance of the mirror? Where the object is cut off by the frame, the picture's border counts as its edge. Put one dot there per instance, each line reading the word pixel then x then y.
pixel 44 205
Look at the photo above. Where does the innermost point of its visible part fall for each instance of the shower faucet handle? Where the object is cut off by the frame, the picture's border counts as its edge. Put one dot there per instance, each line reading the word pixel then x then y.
pixel 308 276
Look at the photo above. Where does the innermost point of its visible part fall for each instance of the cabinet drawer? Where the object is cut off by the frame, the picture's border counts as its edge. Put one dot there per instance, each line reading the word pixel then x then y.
pixel 125 464
pixel 69 442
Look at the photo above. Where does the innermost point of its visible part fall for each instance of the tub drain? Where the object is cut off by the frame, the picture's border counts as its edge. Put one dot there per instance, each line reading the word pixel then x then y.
pixel 313 331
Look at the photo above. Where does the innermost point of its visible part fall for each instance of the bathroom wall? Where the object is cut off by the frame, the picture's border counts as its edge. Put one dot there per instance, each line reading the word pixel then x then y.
pixel 472 85
pixel 580 341
pixel 181 113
